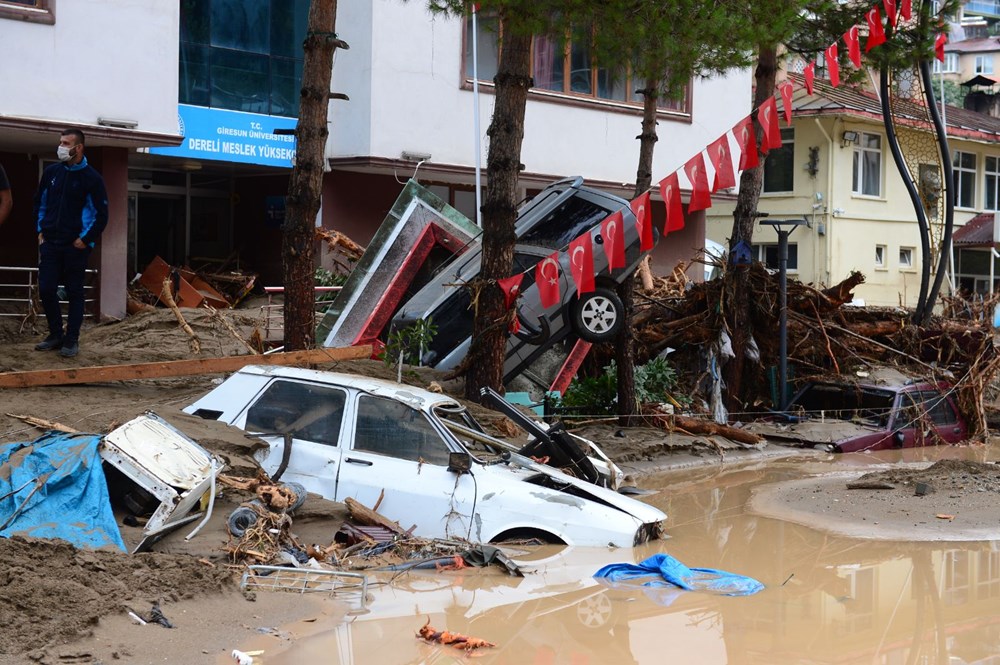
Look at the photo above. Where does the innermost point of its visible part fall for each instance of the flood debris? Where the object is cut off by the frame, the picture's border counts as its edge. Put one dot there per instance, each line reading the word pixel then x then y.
pixel 218 288
pixel 429 633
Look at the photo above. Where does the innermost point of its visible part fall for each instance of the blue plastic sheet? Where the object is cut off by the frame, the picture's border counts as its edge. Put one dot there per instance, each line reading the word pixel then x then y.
pixel 54 487
pixel 661 570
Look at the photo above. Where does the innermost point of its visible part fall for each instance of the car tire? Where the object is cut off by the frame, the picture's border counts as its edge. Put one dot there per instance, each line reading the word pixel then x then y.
pixel 300 495
pixel 598 316
pixel 240 520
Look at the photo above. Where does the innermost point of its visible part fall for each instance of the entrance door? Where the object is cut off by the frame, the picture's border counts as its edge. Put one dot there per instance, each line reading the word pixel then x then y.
pixel 159 229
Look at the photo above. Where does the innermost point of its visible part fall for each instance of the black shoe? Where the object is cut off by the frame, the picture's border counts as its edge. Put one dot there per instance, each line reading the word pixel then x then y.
pixel 49 343
pixel 69 349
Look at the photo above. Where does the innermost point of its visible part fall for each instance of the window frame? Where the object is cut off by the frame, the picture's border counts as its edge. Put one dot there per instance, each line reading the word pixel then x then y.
pixel 949 66
pixel 787 153
pixel 880 257
pixel 993 175
pixel 981 62
pixel 964 177
pixel 858 169
pixel 909 263
pixel 43 11
pixel 759 250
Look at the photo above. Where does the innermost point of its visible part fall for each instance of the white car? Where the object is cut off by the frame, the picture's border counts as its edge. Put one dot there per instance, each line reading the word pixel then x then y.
pixel 420 457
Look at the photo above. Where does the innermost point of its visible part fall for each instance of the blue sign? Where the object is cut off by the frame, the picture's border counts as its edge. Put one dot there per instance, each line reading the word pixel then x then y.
pixel 232 136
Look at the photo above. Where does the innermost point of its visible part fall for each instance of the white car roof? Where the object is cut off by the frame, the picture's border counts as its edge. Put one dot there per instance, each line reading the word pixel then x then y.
pixel 416 397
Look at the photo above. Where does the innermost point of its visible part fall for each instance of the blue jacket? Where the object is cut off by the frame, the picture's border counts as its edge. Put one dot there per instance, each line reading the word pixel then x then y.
pixel 71 203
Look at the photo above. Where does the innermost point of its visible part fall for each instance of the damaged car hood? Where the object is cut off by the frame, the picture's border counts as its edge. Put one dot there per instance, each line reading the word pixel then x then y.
pixel 813 431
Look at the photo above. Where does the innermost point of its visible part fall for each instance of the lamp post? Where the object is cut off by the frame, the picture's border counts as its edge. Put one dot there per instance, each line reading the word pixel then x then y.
pixel 783 233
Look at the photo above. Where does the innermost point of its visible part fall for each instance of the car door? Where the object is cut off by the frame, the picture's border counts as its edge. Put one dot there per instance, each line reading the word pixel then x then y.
pixel 301 423
pixel 927 417
pixel 396 450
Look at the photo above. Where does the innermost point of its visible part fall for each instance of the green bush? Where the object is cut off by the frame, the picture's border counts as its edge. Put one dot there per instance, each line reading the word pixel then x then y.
pixel 597 395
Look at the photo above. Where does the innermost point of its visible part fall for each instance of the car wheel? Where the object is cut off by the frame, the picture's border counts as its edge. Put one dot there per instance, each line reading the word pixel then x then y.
pixel 240 520
pixel 598 316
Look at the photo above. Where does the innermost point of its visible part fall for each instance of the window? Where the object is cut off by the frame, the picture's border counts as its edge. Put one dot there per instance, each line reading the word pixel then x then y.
pixel 778 167
pixel 562 65
pixel 564 224
pixel 964 164
pixel 768 255
pixel 949 66
pixel 867 175
pixel 992 183
pixel 242 55
pixel 984 64
pixel 988 575
pixel 880 256
pixel 35 11
pixel 306 411
pixel 905 257
pixel 955 586
pixel 387 427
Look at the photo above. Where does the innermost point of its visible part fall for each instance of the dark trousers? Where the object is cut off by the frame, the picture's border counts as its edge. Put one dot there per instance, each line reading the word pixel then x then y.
pixel 66 265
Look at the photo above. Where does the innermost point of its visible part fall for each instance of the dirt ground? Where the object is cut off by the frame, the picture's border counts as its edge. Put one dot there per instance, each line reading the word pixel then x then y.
pixel 61 605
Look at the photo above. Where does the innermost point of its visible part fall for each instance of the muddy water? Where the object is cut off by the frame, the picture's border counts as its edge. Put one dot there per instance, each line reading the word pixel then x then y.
pixel 828 599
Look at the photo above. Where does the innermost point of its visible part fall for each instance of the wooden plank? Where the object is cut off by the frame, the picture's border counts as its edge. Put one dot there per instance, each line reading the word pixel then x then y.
pixel 62 377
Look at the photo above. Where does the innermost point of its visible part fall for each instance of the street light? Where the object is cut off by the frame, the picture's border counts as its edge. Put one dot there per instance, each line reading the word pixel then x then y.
pixel 783 233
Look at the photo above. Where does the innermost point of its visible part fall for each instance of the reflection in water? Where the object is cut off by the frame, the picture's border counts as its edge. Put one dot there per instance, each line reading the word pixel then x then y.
pixel 828 599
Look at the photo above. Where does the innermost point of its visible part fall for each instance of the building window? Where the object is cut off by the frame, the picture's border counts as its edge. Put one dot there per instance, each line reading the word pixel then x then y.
pixel 949 66
pixel 563 65
pixel 905 257
pixel 35 11
pixel 984 64
pixel 243 55
pixel 768 255
pixel 880 256
pixel 778 167
pixel 867 175
pixel 964 164
pixel 992 183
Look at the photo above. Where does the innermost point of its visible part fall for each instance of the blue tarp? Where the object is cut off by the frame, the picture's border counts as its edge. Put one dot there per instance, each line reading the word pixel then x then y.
pixel 54 487
pixel 662 570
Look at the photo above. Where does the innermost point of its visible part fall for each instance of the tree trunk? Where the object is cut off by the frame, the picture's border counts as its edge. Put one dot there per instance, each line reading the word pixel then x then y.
pixel 503 165
pixel 628 404
pixel 306 182
pixel 744 216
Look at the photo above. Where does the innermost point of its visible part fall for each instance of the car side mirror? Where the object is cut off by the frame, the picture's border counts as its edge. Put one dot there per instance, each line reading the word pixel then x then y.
pixel 459 462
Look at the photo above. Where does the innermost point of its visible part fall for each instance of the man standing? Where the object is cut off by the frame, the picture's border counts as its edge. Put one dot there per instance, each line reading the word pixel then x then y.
pixel 6 201
pixel 71 207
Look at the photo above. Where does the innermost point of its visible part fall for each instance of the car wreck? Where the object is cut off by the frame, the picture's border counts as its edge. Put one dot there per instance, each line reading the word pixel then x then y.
pixel 425 461
pixel 879 411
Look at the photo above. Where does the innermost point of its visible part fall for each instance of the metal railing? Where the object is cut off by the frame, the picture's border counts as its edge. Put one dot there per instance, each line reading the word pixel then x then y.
pixel 19 292
pixel 274 312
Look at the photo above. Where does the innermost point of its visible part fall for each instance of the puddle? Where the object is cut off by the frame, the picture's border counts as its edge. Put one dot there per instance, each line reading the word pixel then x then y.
pixel 828 598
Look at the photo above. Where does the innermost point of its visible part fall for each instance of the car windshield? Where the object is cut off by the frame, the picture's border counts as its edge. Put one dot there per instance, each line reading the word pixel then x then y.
pixel 845 402
pixel 564 223
pixel 466 429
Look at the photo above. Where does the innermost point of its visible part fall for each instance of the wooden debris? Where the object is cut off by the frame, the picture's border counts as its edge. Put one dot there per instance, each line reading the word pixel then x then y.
pixel 166 294
pixel 232 331
pixel 41 423
pixel 430 634
pixel 707 427
pixel 362 514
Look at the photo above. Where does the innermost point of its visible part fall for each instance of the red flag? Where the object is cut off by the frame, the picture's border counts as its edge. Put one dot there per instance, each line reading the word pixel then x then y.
pixel 613 235
pixel 670 190
pixel 853 46
pixel 701 198
pixel 643 221
pixel 905 9
pixel 810 76
pixel 939 43
pixel 767 116
pixel 511 287
pixel 746 137
pixel 547 279
pixel 581 263
pixel 890 11
pixel 876 34
pixel 832 65
pixel 786 100
pixel 722 161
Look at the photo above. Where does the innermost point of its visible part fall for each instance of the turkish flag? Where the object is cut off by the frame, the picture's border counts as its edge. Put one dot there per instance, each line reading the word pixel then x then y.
pixel 853 46
pixel 701 198
pixel 613 234
pixel 670 190
pixel 722 161
pixel 767 116
pixel 511 287
pixel 746 137
pixel 547 279
pixel 786 89
pixel 832 65
pixel 876 33
pixel 939 43
pixel 643 221
pixel 890 11
pixel 905 9
pixel 581 263
pixel 810 75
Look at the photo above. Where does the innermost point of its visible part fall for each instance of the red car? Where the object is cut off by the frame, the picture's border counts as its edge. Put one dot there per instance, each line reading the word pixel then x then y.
pixel 846 417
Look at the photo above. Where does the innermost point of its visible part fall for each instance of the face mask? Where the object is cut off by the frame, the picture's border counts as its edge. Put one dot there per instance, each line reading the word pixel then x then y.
pixel 63 153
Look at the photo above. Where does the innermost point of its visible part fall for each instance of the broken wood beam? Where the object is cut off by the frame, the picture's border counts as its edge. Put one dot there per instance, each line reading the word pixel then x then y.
pixel 156 370
pixel 710 428
pixel 365 516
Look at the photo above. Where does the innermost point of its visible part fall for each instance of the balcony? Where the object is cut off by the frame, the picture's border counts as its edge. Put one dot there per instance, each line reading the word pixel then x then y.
pixel 987 8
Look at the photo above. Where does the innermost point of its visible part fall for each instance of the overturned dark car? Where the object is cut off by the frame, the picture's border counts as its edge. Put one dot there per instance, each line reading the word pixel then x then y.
pixel 891 411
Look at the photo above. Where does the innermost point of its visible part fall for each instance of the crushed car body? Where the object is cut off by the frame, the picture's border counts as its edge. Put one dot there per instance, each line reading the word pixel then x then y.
pixel 422 459
pixel 875 412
